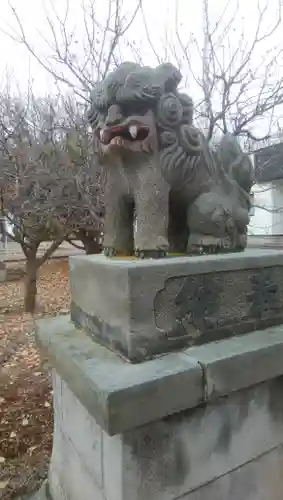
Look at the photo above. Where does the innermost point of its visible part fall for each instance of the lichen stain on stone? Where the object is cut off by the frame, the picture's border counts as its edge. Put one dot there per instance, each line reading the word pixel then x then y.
pixel 225 435
pixel 160 457
pixel 275 402
pixel 232 417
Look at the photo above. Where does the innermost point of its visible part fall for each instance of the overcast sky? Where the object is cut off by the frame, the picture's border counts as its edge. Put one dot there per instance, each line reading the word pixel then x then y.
pixel 160 16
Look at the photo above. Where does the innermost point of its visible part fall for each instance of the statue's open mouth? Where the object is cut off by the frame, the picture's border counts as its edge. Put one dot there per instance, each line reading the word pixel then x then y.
pixel 120 135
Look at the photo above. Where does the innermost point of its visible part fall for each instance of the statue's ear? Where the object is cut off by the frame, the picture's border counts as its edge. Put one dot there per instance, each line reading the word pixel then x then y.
pixel 169 76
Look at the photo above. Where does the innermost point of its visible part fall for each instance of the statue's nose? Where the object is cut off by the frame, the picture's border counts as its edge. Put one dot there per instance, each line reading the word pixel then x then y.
pixel 114 116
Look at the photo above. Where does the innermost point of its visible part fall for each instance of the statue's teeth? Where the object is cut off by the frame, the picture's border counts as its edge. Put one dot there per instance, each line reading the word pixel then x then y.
pixel 133 129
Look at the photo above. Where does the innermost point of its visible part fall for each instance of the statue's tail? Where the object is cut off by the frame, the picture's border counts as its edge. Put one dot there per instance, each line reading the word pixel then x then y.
pixel 236 164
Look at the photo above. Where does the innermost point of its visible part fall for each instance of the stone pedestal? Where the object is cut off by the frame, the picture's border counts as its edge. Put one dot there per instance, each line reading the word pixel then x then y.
pixel 144 308
pixel 148 405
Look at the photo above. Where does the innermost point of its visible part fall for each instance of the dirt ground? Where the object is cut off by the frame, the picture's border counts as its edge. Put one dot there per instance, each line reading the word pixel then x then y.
pixel 25 390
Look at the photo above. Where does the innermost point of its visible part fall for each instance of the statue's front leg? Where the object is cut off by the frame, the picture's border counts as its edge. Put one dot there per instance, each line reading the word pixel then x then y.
pixel 118 224
pixel 152 208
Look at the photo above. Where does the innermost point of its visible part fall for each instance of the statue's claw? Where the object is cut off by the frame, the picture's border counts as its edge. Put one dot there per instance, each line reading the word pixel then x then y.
pixel 109 252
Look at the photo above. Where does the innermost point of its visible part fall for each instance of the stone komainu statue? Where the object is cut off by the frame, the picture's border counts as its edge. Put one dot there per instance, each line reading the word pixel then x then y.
pixel 161 172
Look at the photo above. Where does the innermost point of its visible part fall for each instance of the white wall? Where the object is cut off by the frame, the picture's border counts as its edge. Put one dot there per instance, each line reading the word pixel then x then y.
pixel 261 222
pixel 268 210
pixel 277 215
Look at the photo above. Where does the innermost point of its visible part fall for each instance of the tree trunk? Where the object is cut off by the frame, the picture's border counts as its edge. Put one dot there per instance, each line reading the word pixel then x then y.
pixel 92 247
pixel 30 283
pixel 91 242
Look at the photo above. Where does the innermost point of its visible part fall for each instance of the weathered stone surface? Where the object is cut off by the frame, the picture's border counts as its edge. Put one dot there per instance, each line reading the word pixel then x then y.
pixel 143 308
pixel 261 479
pixel 186 452
pixel 167 459
pixel 69 477
pixel 240 362
pixel 174 456
pixel 81 428
pixel 119 395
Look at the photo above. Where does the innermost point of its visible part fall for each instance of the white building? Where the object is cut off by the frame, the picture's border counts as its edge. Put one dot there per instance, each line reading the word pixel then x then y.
pixel 267 213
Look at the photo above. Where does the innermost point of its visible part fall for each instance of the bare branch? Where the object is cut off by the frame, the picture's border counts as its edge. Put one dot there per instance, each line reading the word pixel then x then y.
pixel 78 56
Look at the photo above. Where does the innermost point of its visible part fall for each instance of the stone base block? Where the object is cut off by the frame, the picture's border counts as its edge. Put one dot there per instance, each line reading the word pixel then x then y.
pixel 144 308
pixel 228 450
pixel 260 479
pixel 184 425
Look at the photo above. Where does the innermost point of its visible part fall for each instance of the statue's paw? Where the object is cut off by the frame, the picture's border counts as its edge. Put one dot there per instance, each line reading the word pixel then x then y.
pixel 150 254
pixel 204 250
pixel 109 251
pixel 153 248
pixel 207 244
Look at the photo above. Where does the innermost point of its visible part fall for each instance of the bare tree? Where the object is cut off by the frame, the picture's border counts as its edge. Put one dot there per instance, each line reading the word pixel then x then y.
pixel 238 83
pixel 87 174
pixel 77 57
pixel 230 64
pixel 40 192
pixel 82 52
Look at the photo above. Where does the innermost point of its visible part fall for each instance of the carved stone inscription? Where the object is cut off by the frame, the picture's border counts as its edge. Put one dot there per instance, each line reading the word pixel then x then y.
pixel 215 305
